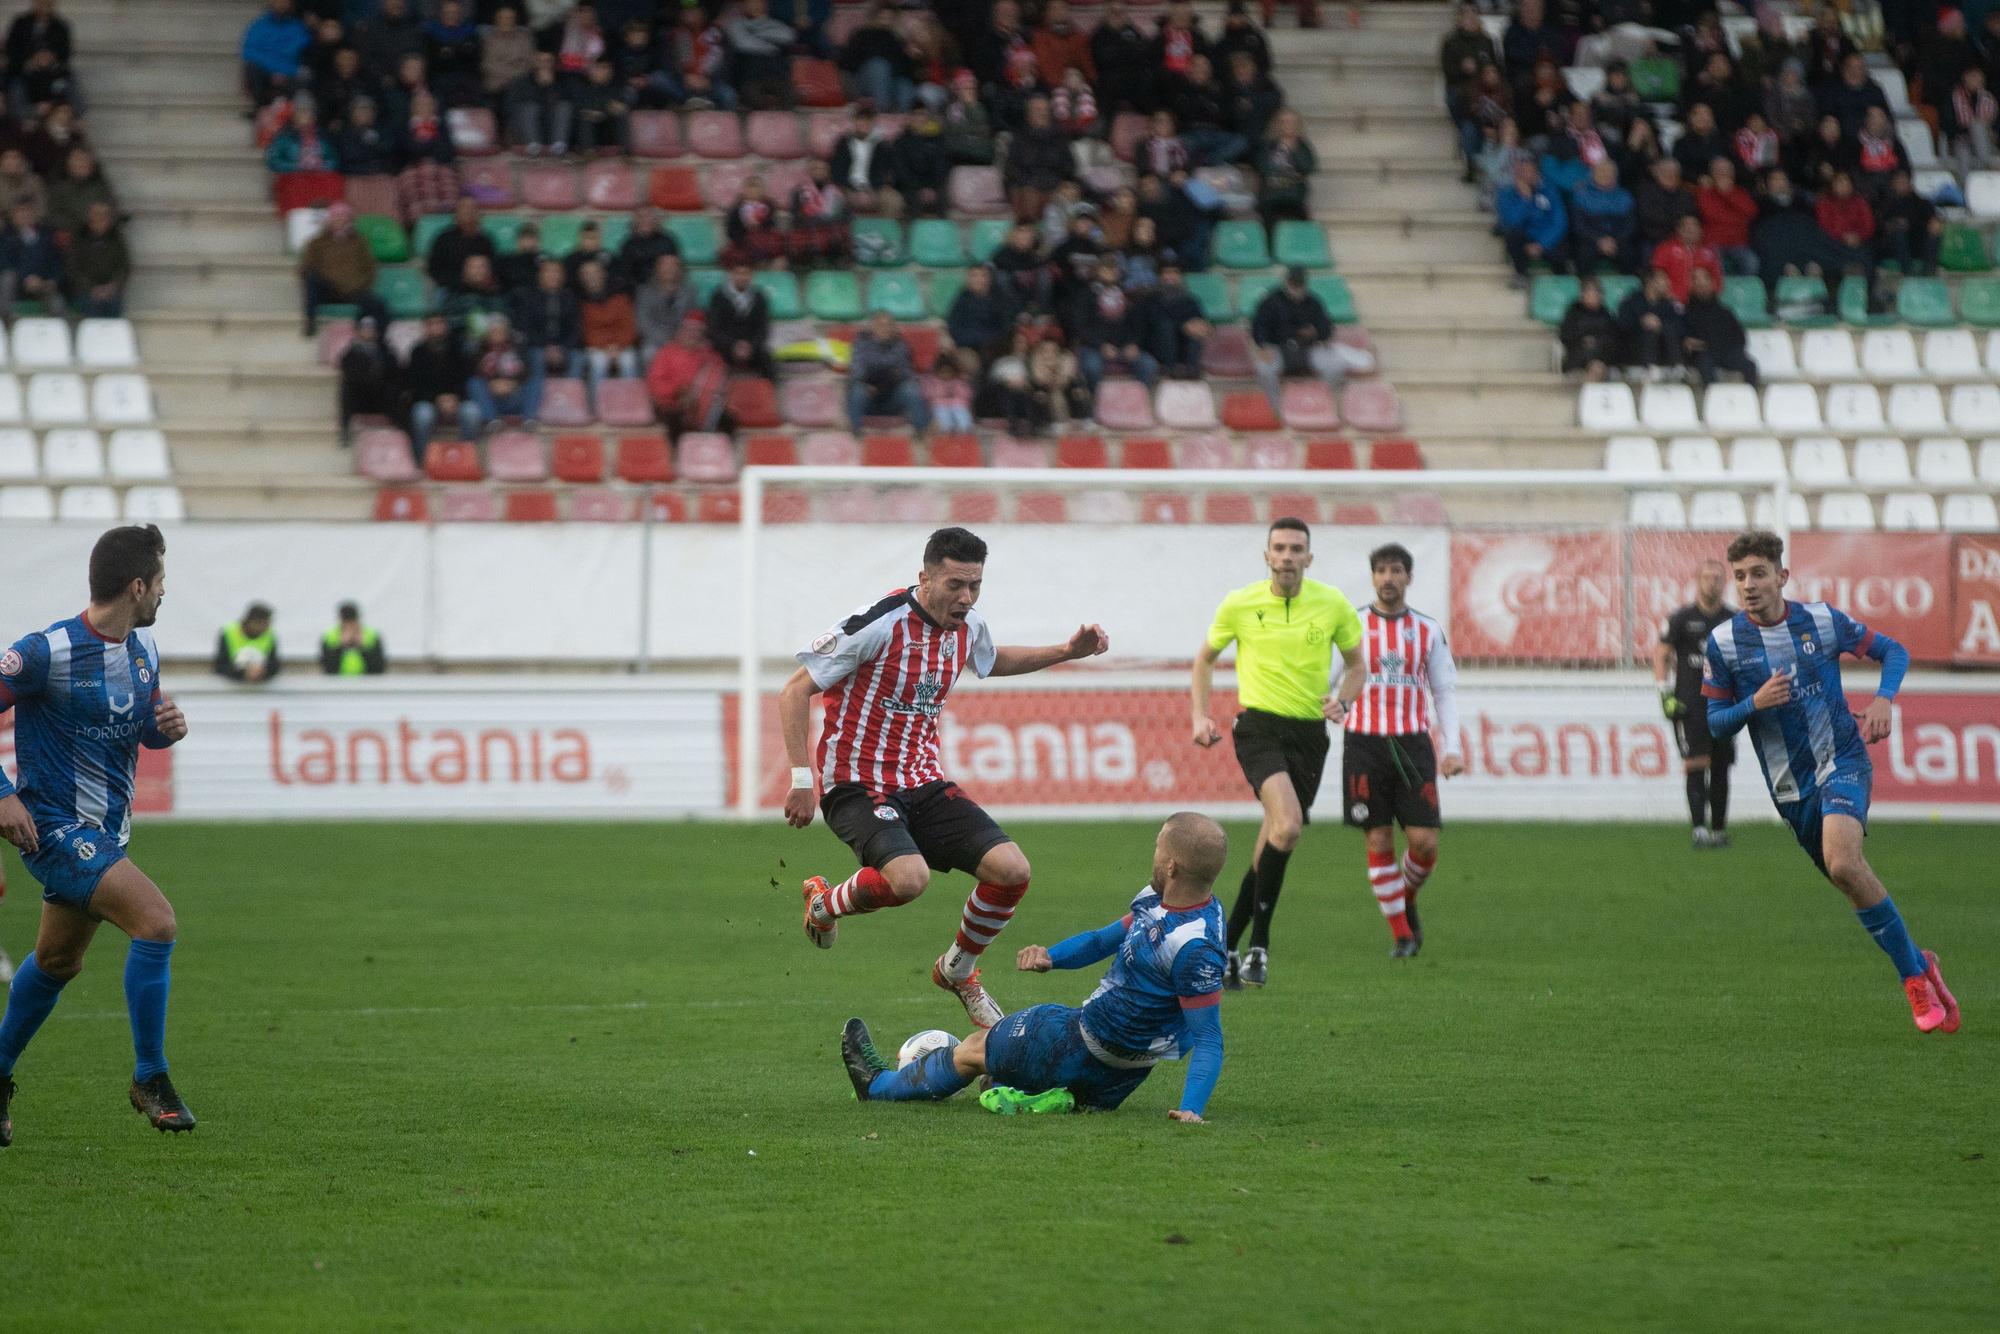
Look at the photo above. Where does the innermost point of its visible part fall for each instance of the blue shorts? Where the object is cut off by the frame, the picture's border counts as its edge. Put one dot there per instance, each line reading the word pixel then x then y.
pixel 1845 793
pixel 1041 1048
pixel 70 861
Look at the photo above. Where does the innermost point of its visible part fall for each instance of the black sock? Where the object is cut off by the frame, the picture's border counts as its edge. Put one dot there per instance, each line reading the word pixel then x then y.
pixel 1270 879
pixel 1246 904
pixel 1718 797
pixel 1697 787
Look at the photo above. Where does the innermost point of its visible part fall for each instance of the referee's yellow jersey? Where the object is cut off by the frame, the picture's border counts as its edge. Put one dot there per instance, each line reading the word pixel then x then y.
pixel 1285 646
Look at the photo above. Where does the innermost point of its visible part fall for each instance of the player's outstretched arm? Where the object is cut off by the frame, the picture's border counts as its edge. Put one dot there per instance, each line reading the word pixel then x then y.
pixel 1087 642
pixel 1085 948
pixel 1204 1037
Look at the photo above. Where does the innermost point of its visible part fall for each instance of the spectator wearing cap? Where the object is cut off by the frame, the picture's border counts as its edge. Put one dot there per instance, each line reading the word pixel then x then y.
pixel 370 379
pixel 1022 272
pixel 274 47
pixel 1533 223
pixel 860 163
pixel 246 649
pixel 350 647
pixel 739 324
pixel 1038 159
pixel 1066 204
pixel 337 268
pixel 968 131
pixel 688 381
pixel 1291 334
pixel 877 58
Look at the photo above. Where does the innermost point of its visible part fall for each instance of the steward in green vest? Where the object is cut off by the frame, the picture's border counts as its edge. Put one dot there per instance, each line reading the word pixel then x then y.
pixel 351 648
pixel 247 650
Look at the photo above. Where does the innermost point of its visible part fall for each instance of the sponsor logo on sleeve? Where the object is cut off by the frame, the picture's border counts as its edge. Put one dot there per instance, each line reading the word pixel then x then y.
pixel 824 645
pixel 10 662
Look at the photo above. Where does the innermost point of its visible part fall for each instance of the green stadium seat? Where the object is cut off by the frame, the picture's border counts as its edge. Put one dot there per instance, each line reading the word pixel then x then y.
pixel 1239 244
pixel 1302 243
pixel 988 235
pixel 1617 286
pixel 936 243
pixel 1251 289
pixel 614 230
pixel 1853 303
pixel 559 233
pixel 705 282
pixel 944 290
pixel 1746 296
pixel 404 292
pixel 332 310
pixel 833 295
pixel 385 237
pixel 1332 291
pixel 783 290
pixel 1799 291
pixel 503 228
pixel 1657 79
pixel 897 293
pixel 429 227
pixel 699 238
pixel 1979 302
pixel 1925 302
pixel 1551 297
pixel 1212 291
pixel 878 242
pixel 1963 250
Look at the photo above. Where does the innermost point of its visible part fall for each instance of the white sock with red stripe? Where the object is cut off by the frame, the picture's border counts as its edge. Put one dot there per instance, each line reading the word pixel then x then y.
pixel 988 909
pixel 1386 879
pixel 864 891
pixel 1416 872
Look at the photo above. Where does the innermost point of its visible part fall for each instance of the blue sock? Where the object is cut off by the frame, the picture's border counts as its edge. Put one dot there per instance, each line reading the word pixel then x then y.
pixel 931 1079
pixel 28 1003
pixel 146 999
pixel 1886 924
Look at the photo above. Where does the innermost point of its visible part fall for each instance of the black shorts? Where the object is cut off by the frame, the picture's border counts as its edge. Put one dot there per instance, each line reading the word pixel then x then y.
pixel 936 821
pixel 1691 735
pixel 1390 778
pixel 1269 743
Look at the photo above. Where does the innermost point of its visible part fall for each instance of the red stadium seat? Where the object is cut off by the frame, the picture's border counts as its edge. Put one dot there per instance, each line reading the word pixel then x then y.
pixel 1082 451
pixel 578 458
pixel 715 134
pixel 1334 455
pixel 1249 410
pixel 467 504
pixel 656 134
pixel 1226 354
pixel 1424 507
pixel 676 189
pixel 914 504
pixel 474 132
pixel 1307 405
pixel 600 504
pixel 1228 507
pixel 644 458
pixel 488 180
pixel 776 135
pixel 754 404
pixel 1293 505
pixel 722 183
pixel 1398 455
pixel 667 507
pixel 975 506
pixel 707 457
pixel 624 402
pixel 1271 452
pixel 609 186
pixel 824 130
pixel 830 449
pixel 1124 405
pixel 787 505
pixel 1009 452
pixel 531 507
pixel 307 189
pixel 781 178
pixel 549 185
pixel 816 83
pixel 1166 507
pixel 1146 452
pixel 453 461
pixel 1356 515
pixel 1371 406
pixel 566 402
pixel 383 455
pixel 1041 507
pixel 888 451
pixel 850 504
pixel 923 341
pixel 402 504
pixel 770 451
pixel 377 194
pixel 956 451
pixel 812 402
pixel 515 456
pixel 718 507
pixel 1126 131
pixel 1207 453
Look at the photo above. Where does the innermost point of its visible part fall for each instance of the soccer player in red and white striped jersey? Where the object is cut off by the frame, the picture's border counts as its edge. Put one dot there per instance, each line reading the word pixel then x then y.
pixel 1388 767
pixel 886 671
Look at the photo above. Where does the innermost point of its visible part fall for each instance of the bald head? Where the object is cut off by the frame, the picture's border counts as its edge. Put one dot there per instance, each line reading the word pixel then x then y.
pixel 1188 856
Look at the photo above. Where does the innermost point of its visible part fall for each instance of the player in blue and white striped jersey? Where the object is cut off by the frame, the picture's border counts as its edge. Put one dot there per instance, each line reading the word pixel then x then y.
pixel 1774 667
pixel 86 694
pixel 1158 1001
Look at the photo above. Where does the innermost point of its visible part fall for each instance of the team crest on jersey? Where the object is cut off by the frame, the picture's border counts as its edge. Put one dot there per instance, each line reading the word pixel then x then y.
pixel 1358 811
pixel 10 662
pixel 1392 662
pixel 824 644
pixel 1807 646
pixel 929 687
pixel 85 851
pixel 951 646
pixel 887 813
pixel 145 674
pixel 1314 634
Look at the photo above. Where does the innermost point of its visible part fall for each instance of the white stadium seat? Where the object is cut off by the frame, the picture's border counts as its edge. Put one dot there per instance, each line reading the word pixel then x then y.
pixel 154 504
pixel 1714 511
pixel 1933 181
pixel 1944 463
pixel 1602 407
pixel 1881 462
pixel 57 398
pixel 72 455
pixel 1668 407
pixel 1889 354
pixel 1657 509
pixel 3 345
pixel 1828 354
pixel 1910 512
pixel 1916 409
pixel 139 454
pixel 1993 353
pixel 1952 354
pixel 1695 457
pixel 106 344
pixel 1791 409
pixel 301 226
pixel 1846 511
pixel 1890 79
pixel 20 460
pixel 1764 515
pixel 12 412
pixel 1752 455
pixel 1982 193
pixel 1632 456
pixel 122 398
pixel 1584 81
pixel 25 503
pixel 1819 461
pixel 1772 350
pixel 1989 462
pixel 1727 409
pixel 1917 142
pixel 87 504
pixel 1971 514
pixel 1975 409
pixel 1853 408
pixel 41 344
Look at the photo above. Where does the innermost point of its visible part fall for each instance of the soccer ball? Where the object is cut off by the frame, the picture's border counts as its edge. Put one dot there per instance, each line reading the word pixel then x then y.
pixel 922 1045
pixel 249 658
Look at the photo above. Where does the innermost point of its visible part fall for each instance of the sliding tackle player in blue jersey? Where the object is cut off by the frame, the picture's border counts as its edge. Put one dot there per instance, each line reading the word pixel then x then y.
pixel 1774 668
pixel 86 692
pixel 1158 1000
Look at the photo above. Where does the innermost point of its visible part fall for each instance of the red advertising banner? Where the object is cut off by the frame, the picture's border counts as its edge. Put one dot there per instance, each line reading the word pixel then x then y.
pixel 1944 750
pixel 1975 601
pixel 1537 597
pixel 1897 583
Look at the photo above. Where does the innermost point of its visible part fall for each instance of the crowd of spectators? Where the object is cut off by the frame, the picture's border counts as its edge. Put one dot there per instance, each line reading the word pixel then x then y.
pixel 1090 282
pixel 62 237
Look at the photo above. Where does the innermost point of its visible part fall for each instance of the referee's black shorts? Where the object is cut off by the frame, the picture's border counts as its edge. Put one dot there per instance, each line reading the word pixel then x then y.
pixel 1692 736
pixel 1389 778
pixel 1270 743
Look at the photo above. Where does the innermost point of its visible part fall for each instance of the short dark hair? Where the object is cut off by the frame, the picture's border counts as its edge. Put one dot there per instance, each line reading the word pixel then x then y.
pixel 960 544
pixel 1290 524
pixel 1392 553
pixel 125 554
pixel 1768 545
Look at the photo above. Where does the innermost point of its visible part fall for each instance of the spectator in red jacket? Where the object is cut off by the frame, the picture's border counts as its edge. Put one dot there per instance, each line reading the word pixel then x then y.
pixel 688 381
pixel 1845 215
pixel 1682 253
pixel 1060 45
pixel 1728 211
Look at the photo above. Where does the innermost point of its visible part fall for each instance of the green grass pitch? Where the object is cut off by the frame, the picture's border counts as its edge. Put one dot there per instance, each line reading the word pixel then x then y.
pixel 562 1076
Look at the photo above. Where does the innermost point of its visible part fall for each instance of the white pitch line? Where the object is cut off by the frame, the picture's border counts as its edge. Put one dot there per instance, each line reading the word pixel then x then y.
pixel 396 1011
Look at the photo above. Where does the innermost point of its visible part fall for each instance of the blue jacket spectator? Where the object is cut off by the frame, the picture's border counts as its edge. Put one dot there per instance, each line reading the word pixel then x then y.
pixel 273 46
pixel 1603 221
pixel 981 316
pixel 1563 172
pixel 1533 222
pixel 30 264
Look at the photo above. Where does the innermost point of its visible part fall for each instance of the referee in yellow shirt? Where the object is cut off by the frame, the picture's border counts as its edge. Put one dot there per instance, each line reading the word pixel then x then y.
pixel 1285 629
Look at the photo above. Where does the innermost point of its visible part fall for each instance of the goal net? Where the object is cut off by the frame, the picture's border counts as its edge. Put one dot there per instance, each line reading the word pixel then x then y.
pixel 1550 592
